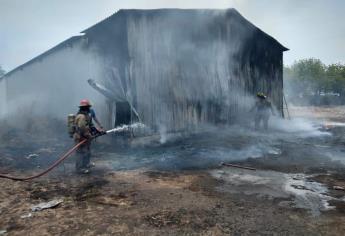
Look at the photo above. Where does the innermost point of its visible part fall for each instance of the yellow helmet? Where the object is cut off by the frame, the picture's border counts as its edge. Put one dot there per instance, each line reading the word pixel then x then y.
pixel 261 95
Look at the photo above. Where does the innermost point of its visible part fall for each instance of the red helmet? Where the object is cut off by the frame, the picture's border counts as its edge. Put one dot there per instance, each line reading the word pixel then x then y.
pixel 85 103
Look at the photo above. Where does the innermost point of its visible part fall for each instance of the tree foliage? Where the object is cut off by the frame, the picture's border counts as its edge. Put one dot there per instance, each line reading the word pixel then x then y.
pixel 311 77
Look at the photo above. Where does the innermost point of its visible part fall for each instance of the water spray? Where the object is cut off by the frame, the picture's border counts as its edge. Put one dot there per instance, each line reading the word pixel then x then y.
pixel 126 128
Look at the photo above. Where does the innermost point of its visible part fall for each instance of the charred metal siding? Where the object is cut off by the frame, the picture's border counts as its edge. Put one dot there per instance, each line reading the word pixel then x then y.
pixel 185 67
pixel 265 63
pixel 178 68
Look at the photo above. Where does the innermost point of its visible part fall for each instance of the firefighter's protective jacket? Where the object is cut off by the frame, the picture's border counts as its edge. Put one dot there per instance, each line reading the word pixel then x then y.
pixel 83 124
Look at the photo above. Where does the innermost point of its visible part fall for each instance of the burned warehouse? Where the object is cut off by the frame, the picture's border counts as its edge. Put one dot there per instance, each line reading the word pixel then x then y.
pixel 168 68
pixel 172 121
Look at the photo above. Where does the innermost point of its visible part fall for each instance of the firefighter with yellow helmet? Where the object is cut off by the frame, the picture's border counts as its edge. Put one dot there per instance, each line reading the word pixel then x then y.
pixel 263 109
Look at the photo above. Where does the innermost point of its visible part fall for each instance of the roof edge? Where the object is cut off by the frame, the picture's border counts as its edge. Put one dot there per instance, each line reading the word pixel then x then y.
pixel 46 53
pixel 75 38
pixel 232 10
pixel 261 31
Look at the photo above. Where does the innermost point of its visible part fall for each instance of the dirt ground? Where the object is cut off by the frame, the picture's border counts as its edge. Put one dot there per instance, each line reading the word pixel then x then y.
pixel 335 113
pixel 292 192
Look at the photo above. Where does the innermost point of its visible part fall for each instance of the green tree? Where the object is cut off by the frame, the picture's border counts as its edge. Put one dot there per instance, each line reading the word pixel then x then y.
pixel 310 73
pixel 336 77
pixel 310 78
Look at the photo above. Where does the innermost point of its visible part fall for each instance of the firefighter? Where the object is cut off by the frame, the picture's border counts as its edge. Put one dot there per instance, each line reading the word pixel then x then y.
pixel 263 109
pixel 84 129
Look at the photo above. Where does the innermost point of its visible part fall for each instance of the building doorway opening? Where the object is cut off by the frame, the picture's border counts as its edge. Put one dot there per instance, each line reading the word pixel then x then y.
pixel 123 114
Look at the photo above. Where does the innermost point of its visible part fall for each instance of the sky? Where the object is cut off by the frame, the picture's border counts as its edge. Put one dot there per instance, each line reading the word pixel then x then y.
pixel 309 28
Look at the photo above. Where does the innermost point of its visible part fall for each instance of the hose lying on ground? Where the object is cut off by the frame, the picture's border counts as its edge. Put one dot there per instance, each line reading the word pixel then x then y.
pixel 56 163
pixel 237 166
pixel 67 154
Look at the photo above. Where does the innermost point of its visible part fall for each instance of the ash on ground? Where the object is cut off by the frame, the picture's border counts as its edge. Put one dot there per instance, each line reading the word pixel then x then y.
pixel 179 188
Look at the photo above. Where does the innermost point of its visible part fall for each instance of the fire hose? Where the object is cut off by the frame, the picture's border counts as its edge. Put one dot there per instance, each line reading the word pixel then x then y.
pixel 67 154
pixel 56 163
